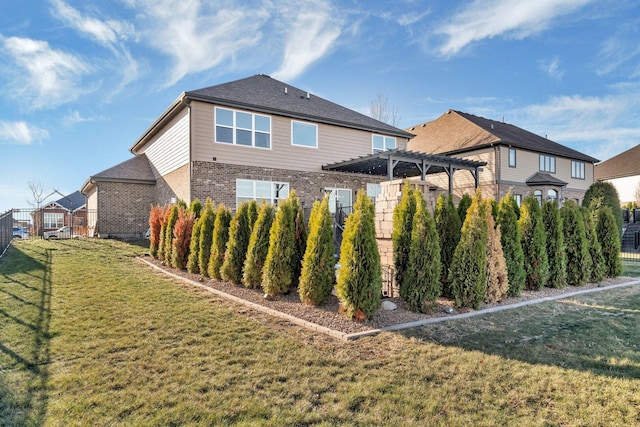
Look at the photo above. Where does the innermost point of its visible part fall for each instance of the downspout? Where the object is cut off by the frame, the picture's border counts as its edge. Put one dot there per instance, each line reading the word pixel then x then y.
pixel 498 169
pixel 188 104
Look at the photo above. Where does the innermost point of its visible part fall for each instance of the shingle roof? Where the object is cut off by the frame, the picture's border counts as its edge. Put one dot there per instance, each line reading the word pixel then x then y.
pixel 73 201
pixel 456 132
pixel 136 169
pixel 624 164
pixel 541 178
pixel 264 94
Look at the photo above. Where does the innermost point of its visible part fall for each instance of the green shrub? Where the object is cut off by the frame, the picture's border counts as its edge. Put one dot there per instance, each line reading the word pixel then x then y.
pixel 359 285
pixel 219 241
pixel 534 244
pixel 497 277
pixel 193 262
pixel 607 231
pixel 172 217
pixel 555 245
pixel 236 252
pixel 401 234
pixel 600 194
pixel 468 273
pixel 205 239
pixel 318 273
pixel 252 213
pixel 511 244
pixel 448 227
pixel 301 233
pixel 277 274
pixel 196 208
pixel 258 247
pixel 181 238
pixel 595 251
pixel 463 205
pixel 576 245
pixel 421 282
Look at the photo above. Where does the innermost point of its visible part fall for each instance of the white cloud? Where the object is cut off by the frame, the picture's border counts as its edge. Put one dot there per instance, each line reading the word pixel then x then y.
pixel 50 77
pixel 408 19
pixel 311 35
pixel 551 68
pixel 516 19
pixel 619 51
pixel 20 133
pixel 198 36
pixel 76 117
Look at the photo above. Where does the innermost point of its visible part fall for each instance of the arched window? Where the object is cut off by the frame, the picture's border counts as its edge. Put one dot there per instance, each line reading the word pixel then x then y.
pixel 552 195
pixel 538 195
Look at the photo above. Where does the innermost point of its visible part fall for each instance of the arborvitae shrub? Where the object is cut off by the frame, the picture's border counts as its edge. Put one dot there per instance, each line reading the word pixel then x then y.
pixel 497 277
pixel 468 273
pixel 607 231
pixel 401 234
pixel 196 208
pixel 534 244
pixel 277 274
pixel 182 238
pixel 194 245
pixel 252 213
pixel 602 193
pixel 576 245
pixel 421 282
pixel 219 241
pixel 172 217
pixel 555 245
pixel 448 227
pixel 207 221
pixel 236 252
pixel 359 285
pixel 318 266
pixel 463 205
pixel 156 218
pixel 182 205
pixel 301 233
pixel 511 244
pixel 258 247
pixel 595 251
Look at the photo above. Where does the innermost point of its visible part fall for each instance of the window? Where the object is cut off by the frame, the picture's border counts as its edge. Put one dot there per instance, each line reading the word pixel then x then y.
pixel 547 163
pixel 518 199
pixel 512 157
pixel 552 195
pixel 53 220
pixel 240 128
pixel 304 134
pixel 339 200
pixel 373 191
pixel 383 143
pixel 538 195
pixel 577 169
pixel 261 191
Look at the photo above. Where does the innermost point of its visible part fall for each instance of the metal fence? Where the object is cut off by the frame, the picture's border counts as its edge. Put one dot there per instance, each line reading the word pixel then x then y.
pixel 6 230
pixel 55 223
pixel 631 235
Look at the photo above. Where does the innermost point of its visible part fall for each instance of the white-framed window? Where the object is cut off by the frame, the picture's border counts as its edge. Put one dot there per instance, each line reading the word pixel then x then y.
pixel 241 128
pixel 339 200
pixel 53 220
pixel 552 195
pixel 518 199
pixel 538 195
pixel 382 143
pixel 304 134
pixel 577 169
pixel 373 191
pixel 512 157
pixel 261 191
pixel 547 163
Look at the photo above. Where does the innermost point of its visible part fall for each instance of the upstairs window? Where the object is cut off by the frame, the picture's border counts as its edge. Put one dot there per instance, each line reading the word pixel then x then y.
pixel 512 157
pixel 304 134
pixel 577 169
pixel 383 143
pixel 547 163
pixel 240 128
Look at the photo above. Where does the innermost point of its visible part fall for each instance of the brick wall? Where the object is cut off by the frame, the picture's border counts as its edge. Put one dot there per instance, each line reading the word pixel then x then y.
pixel 123 209
pixel 218 181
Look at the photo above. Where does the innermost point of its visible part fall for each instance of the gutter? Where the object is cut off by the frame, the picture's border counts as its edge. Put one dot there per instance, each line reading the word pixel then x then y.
pixel 166 115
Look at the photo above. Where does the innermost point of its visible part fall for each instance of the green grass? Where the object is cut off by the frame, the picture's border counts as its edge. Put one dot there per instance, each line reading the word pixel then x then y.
pixel 631 267
pixel 90 336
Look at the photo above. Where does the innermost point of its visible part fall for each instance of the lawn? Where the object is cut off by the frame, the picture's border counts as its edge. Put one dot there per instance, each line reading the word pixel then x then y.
pixel 90 336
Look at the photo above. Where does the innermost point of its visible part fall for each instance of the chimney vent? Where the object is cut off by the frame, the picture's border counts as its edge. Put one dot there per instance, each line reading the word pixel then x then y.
pixel 285 90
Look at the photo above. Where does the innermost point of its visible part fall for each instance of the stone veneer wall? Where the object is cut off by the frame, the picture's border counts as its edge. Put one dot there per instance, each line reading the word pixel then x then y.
pixel 174 184
pixel 218 181
pixel 123 209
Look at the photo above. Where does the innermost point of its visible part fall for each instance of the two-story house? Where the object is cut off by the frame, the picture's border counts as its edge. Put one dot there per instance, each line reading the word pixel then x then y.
pixel 516 160
pixel 251 139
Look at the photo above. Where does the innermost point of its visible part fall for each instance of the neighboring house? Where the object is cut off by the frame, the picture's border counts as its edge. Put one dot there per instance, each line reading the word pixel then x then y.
pixel 60 213
pixel 251 139
pixel 623 171
pixel 517 160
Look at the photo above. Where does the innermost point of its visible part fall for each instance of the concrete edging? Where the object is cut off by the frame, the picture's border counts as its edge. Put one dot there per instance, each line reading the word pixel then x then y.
pixel 348 337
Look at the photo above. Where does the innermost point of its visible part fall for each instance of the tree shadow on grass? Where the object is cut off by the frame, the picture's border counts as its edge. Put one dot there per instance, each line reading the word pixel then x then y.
pixel 25 312
pixel 598 334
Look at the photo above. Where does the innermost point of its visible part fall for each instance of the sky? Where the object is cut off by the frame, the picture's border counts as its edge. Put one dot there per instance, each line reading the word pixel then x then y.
pixel 80 81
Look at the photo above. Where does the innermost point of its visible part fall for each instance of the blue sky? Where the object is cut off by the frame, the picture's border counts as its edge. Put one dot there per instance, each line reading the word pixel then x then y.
pixel 80 81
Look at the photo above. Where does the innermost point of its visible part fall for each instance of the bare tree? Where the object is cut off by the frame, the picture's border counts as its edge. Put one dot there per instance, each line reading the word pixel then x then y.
pixel 37 194
pixel 380 109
